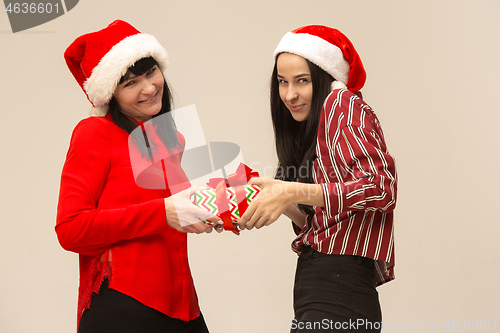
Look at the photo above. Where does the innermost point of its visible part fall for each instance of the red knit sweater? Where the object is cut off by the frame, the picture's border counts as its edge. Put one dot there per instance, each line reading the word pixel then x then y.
pixel 118 228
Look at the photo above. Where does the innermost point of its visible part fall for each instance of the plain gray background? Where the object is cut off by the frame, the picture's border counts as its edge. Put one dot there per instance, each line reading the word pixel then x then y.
pixel 433 78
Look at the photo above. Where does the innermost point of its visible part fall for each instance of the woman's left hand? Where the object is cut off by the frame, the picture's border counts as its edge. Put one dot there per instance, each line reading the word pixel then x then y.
pixel 273 199
pixel 184 216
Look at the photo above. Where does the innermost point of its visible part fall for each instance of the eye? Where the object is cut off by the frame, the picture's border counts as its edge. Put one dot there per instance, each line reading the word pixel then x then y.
pixel 281 81
pixel 303 80
pixel 151 71
pixel 129 83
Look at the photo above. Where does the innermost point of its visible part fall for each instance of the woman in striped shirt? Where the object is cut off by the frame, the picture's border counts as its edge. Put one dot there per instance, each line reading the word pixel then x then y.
pixel 335 180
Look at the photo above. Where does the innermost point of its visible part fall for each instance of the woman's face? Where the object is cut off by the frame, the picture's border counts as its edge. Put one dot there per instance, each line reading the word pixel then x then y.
pixel 295 85
pixel 140 96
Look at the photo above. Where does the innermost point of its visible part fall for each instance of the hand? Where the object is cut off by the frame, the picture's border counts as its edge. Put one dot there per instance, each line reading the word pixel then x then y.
pixel 184 216
pixel 269 204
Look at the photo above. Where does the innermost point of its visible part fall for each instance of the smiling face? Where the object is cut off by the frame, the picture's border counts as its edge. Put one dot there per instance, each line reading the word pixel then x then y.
pixel 140 97
pixel 295 85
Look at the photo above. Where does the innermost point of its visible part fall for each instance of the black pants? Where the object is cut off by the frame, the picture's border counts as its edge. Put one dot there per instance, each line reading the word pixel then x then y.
pixel 112 311
pixel 335 293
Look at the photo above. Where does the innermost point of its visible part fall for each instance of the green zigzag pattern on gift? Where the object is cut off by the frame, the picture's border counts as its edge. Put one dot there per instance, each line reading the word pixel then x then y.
pixel 251 192
pixel 233 203
pixel 206 200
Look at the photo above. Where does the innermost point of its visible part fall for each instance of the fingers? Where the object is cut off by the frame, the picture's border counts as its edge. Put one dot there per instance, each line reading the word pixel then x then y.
pixel 196 228
pixel 257 218
pixel 204 215
pixel 193 189
pixel 187 213
pixel 262 222
pixel 261 181
pixel 245 221
pixel 255 181
pixel 202 227
pixel 258 222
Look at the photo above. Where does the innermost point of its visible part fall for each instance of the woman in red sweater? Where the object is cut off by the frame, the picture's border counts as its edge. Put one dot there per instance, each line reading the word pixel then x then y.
pixel 131 239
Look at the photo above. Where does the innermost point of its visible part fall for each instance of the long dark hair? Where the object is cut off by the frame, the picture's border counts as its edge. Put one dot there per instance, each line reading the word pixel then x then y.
pixel 296 141
pixel 165 125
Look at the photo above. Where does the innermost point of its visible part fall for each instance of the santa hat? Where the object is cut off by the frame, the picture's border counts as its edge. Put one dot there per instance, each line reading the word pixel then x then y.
pixel 329 49
pixel 98 60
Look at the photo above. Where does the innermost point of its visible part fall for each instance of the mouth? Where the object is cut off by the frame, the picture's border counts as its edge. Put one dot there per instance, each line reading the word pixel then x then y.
pixel 295 107
pixel 152 98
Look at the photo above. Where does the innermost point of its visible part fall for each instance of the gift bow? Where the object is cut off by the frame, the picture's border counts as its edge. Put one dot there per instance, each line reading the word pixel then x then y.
pixel 241 177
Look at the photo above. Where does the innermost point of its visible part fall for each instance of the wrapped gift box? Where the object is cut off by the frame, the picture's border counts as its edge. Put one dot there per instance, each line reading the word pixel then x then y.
pixel 206 199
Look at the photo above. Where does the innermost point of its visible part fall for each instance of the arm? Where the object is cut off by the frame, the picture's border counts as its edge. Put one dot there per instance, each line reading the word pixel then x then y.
pixel 298 218
pixel 279 197
pixel 371 191
pixel 368 172
pixel 358 173
pixel 82 226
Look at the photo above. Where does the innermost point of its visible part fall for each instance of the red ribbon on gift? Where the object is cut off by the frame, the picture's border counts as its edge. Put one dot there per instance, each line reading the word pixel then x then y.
pixel 241 177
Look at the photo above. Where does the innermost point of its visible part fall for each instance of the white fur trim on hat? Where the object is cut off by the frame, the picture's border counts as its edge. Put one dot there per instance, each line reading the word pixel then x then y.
pixel 318 51
pixel 102 83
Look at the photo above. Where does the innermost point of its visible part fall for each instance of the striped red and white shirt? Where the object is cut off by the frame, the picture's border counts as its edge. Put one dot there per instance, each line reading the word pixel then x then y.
pixel 358 179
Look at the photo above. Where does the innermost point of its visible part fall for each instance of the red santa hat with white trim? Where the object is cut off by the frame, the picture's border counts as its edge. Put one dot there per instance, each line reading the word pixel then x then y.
pixel 329 49
pixel 98 60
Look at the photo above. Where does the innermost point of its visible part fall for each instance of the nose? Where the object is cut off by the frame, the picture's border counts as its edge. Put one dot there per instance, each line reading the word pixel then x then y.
pixel 291 93
pixel 148 87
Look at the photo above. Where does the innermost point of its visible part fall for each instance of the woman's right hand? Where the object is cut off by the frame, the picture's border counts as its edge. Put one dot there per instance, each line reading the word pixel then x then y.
pixel 184 216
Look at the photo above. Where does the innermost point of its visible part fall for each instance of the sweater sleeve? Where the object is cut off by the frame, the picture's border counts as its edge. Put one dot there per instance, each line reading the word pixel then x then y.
pixel 366 173
pixel 82 226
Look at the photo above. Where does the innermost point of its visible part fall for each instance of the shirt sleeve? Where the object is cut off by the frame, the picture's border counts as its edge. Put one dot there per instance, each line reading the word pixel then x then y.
pixel 82 226
pixel 365 171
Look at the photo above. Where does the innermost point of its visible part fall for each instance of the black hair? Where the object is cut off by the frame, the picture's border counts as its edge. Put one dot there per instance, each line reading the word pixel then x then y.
pixel 296 141
pixel 166 129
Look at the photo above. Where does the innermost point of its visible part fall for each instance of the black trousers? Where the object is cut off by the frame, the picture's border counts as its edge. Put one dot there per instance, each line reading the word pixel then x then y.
pixel 114 312
pixel 335 293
